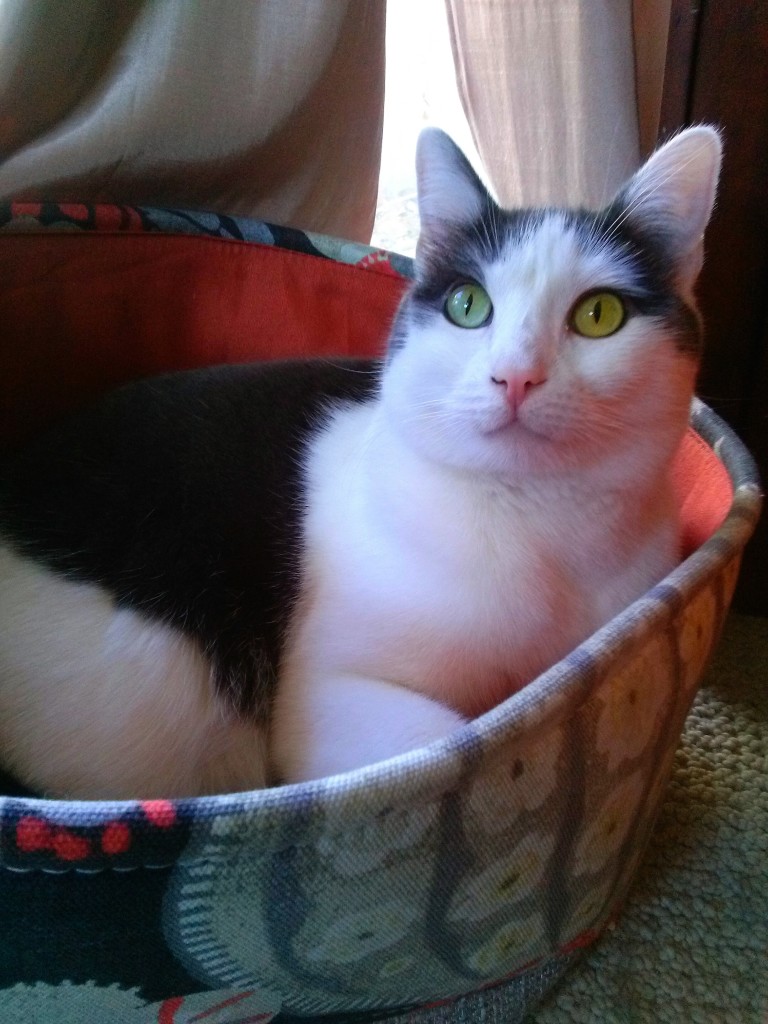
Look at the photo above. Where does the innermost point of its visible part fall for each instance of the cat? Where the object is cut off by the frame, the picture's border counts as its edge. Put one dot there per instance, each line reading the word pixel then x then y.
pixel 227 578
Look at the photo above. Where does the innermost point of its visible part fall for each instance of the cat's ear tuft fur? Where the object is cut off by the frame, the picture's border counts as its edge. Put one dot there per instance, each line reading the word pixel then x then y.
pixel 672 196
pixel 450 193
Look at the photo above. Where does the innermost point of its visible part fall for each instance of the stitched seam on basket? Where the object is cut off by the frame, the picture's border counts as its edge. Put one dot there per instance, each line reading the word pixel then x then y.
pixel 218 842
pixel 88 871
pixel 276 250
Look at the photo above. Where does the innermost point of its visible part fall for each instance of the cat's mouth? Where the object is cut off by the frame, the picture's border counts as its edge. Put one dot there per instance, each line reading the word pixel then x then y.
pixel 512 425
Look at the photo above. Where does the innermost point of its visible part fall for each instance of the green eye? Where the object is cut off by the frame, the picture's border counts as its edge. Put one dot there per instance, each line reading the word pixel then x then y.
pixel 598 314
pixel 468 305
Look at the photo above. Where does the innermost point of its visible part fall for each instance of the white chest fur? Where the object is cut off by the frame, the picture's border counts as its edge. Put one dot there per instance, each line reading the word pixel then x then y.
pixel 430 582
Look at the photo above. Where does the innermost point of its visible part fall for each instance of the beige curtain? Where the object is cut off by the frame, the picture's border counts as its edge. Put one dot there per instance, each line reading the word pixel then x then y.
pixel 562 96
pixel 273 108
pixel 270 108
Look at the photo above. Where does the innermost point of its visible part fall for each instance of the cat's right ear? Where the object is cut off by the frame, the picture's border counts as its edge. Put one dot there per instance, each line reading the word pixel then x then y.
pixel 672 196
pixel 450 193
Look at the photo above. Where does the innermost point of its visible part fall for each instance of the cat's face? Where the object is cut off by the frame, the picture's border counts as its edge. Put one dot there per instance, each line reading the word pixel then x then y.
pixel 544 342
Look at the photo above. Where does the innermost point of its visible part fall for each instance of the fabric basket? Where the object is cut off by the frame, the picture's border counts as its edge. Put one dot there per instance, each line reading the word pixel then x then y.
pixel 455 883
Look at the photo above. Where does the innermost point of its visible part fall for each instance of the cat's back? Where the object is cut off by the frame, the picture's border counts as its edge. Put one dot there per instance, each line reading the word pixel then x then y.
pixel 155 535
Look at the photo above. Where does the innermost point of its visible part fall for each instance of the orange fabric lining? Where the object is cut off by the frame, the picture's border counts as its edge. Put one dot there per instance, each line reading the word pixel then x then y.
pixel 83 312
pixel 703 490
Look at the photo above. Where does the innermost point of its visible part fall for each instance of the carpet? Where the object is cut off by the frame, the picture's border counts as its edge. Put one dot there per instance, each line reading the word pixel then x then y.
pixel 691 946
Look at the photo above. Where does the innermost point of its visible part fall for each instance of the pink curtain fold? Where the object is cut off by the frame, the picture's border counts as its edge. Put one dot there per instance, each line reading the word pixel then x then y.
pixel 562 96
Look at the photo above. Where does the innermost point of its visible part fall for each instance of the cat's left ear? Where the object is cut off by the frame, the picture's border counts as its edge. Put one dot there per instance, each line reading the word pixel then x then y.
pixel 450 193
pixel 672 196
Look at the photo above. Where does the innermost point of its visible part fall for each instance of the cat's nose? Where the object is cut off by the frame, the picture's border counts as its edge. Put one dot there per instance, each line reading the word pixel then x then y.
pixel 519 385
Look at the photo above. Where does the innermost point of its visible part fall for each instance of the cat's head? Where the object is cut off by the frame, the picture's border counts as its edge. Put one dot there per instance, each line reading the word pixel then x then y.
pixel 538 342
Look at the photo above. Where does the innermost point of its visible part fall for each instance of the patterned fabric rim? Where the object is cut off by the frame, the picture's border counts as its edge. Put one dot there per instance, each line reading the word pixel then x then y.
pixel 24 218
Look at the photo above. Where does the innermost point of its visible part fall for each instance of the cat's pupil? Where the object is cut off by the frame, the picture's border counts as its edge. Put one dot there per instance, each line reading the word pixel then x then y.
pixel 468 304
pixel 598 311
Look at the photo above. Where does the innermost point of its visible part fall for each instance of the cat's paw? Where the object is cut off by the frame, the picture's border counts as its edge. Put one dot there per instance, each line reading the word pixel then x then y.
pixel 351 722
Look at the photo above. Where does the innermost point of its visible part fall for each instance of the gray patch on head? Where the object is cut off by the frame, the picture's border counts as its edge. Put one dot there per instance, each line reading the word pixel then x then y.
pixel 467 250
pixel 644 256
pixel 495 232
pixel 399 332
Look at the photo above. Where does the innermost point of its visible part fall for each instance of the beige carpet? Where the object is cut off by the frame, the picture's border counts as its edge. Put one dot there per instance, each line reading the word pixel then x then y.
pixel 692 944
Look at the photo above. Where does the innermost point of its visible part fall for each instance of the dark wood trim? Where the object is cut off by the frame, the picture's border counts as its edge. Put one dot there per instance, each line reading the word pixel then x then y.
pixel 717 72
pixel 730 88
pixel 752 594
pixel 684 20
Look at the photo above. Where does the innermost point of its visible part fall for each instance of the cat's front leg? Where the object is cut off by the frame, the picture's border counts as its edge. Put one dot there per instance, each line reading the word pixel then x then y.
pixel 346 722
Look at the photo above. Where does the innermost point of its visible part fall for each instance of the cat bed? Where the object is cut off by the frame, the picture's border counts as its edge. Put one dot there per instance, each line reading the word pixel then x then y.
pixel 454 881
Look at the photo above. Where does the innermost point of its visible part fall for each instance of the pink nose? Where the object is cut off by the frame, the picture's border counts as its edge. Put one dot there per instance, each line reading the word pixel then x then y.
pixel 519 385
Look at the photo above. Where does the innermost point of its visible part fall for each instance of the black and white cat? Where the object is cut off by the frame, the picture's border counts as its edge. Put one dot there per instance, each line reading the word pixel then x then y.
pixel 219 579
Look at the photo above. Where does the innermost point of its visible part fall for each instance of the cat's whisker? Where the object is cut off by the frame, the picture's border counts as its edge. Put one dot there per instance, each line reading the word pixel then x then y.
pixel 495 226
pixel 609 163
pixel 480 231
pixel 366 371
pixel 645 194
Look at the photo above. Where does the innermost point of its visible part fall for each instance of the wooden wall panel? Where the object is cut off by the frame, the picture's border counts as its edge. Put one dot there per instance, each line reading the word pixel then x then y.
pixel 717 71
pixel 730 87
pixel 682 37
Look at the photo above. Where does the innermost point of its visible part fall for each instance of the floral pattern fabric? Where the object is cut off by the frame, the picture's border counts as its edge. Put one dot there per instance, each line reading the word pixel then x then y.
pixel 464 876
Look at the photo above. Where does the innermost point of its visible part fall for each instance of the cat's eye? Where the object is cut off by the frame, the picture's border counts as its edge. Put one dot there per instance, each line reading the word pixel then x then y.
pixel 468 305
pixel 598 314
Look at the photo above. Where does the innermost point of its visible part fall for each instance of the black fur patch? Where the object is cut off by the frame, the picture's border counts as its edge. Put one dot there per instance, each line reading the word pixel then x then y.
pixel 463 252
pixel 181 495
pixel 649 250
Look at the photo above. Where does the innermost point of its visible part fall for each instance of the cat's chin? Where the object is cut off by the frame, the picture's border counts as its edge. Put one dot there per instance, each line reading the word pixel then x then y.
pixel 516 452
pixel 510 451
pixel 516 431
